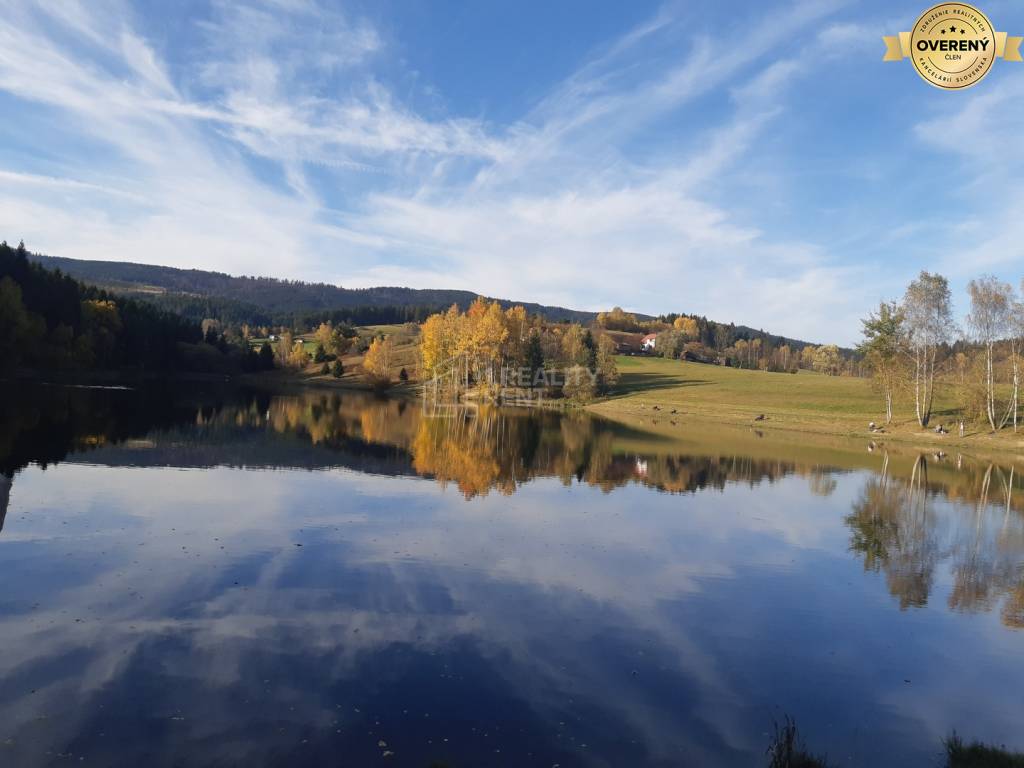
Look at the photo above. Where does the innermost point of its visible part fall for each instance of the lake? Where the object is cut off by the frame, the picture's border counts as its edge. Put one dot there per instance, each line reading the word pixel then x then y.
pixel 231 577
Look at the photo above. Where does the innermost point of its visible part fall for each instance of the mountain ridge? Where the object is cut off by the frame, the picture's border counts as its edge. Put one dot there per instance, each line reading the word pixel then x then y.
pixel 202 293
pixel 275 294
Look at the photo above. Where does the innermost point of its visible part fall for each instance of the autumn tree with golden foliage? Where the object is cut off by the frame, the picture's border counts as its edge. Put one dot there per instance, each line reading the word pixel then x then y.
pixel 459 350
pixel 827 360
pixel 487 334
pixel 473 345
pixel 518 325
pixel 285 342
pixel 687 326
pixel 607 371
pixel 377 361
pixel 298 358
pixel 572 345
pixel 618 320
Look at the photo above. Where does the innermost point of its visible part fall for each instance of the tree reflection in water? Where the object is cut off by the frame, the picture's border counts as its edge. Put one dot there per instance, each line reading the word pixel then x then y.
pixel 896 530
pixel 908 518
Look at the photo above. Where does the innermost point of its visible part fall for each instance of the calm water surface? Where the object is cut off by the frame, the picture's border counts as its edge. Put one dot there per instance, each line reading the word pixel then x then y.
pixel 333 579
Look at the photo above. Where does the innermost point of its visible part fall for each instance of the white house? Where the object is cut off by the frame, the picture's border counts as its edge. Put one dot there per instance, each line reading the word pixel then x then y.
pixel 647 342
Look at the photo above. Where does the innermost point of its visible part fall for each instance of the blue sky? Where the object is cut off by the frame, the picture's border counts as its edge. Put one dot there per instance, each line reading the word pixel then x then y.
pixel 754 162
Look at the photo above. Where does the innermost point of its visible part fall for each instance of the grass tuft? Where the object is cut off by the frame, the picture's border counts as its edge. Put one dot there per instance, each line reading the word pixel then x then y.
pixel 787 749
pixel 978 755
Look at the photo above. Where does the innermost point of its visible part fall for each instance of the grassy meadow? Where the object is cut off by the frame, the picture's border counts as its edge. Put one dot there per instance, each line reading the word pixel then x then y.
pixel 406 355
pixel 684 400
pixel 651 388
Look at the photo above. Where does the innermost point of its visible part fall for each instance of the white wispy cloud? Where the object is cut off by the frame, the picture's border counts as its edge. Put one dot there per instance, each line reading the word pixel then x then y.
pixel 566 217
pixel 978 141
pixel 194 198
pixel 271 145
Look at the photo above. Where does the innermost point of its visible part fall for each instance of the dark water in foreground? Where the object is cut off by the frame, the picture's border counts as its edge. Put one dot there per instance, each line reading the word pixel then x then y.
pixel 332 579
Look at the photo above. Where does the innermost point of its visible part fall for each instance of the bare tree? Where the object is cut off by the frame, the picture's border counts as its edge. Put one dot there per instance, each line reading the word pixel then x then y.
pixel 1016 334
pixel 991 304
pixel 928 307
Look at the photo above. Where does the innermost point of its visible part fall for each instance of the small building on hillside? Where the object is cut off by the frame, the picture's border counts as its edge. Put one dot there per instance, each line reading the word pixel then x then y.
pixel 647 342
pixel 626 343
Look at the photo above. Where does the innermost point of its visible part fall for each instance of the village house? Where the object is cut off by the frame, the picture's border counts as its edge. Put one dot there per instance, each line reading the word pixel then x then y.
pixel 647 342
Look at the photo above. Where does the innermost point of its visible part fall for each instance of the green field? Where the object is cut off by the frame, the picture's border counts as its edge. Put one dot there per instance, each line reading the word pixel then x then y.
pixel 405 355
pixel 652 388
pixel 377 330
pixel 308 343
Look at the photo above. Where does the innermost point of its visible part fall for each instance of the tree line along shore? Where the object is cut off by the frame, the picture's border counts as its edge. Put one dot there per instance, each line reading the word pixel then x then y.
pixel 916 369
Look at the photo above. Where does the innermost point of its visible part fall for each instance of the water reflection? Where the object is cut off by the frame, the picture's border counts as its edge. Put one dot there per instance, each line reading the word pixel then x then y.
pixel 5 498
pixel 894 531
pixel 483 449
pixel 479 450
pixel 897 531
pixel 503 587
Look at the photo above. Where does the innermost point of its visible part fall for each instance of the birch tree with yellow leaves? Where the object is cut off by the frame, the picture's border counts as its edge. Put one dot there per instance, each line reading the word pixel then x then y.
pixel 489 333
pixel 460 350
pixel 377 361
pixel 687 326
pixel 472 346
pixel 518 325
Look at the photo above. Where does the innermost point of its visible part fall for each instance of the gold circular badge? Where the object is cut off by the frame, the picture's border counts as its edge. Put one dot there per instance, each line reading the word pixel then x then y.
pixel 953 45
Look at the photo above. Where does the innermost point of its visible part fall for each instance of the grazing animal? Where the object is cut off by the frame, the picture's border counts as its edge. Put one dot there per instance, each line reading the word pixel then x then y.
pixel 759 417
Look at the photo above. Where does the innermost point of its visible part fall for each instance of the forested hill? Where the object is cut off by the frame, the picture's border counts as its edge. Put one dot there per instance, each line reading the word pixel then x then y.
pixel 272 300
pixel 196 294
pixel 50 321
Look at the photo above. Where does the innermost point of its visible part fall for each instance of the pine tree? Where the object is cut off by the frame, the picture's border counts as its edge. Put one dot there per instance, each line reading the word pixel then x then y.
pixel 266 357
pixel 337 370
pixel 534 355
pixel 590 349
pixel 250 360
